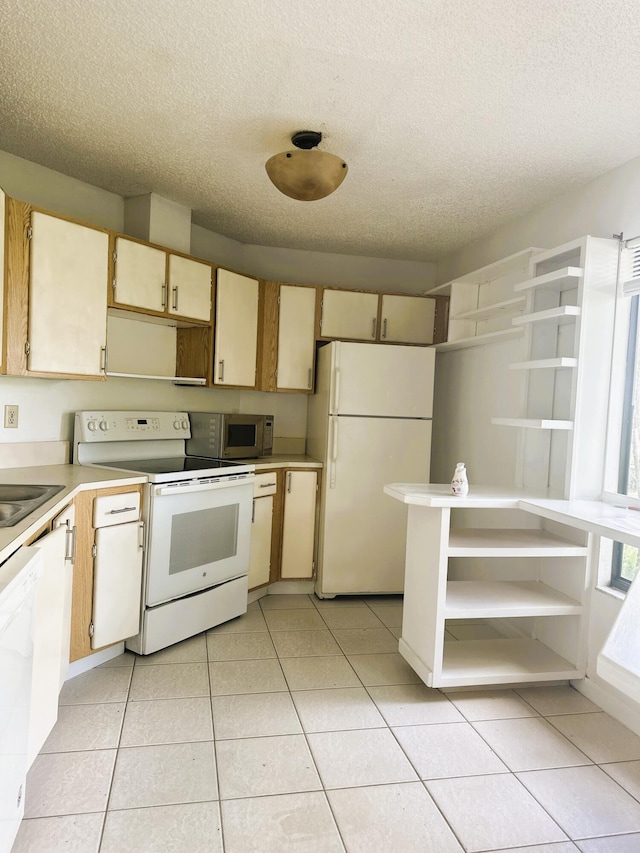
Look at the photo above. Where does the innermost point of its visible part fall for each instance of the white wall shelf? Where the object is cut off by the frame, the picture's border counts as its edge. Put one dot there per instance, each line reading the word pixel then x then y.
pixel 510 542
pixel 559 280
pixel 545 364
pixel 506 599
pixel 496 309
pixel 533 423
pixel 479 340
pixel 557 316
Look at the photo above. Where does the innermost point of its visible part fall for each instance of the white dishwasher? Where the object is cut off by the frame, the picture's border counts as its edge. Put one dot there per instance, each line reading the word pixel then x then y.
pixel 19 577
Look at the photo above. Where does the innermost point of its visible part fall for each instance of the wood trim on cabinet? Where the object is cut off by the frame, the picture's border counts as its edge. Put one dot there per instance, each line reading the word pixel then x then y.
pixel 442 319
pixel 82 595
pixel 267 366
pixel 18 218
pixel 194 352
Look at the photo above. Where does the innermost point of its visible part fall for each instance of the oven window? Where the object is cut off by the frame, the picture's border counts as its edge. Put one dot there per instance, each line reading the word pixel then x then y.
pixel 241 435
pixel 203 537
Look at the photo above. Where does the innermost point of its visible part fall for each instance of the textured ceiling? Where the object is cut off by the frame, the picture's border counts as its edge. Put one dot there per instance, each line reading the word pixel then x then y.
pixel 453 116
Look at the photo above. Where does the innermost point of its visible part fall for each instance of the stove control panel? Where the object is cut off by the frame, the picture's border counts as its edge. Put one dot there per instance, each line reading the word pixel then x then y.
pixel 104 426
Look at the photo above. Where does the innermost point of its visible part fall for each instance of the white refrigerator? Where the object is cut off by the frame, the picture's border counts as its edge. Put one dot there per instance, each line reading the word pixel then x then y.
pixel 369 422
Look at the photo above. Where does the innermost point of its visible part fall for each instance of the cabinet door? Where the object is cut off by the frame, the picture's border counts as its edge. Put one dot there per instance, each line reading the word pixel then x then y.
pixel 69 267
pixel 349 314
pixel 236 336
pixel 261 530
pixel 117 583
pixel 48 647
pixel 407 319
pixel 296 338
pixel 189 288
pixel 67 520
pixel 298 529
pixel 2 285
pixel 140 276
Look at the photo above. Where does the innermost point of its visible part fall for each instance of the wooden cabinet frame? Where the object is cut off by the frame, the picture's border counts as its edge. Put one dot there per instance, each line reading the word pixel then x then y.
pixel 82 596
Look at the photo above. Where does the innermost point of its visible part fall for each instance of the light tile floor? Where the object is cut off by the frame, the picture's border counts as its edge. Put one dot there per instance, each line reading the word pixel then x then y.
pixel 298 727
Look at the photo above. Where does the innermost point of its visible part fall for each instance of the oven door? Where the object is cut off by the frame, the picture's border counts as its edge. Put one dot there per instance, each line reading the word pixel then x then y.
pixel 199 536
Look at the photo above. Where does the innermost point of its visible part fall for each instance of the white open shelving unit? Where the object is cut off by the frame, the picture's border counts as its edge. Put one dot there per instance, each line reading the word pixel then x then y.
pixel 482 303
pixel 529 585
pixel 570 299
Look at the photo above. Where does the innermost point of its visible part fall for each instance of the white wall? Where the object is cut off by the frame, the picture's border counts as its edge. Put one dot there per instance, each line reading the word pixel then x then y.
pixel 472 385
pixel 47 406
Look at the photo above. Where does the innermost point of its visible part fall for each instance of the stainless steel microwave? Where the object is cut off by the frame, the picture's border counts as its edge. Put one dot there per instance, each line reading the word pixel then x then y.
pixel 224 436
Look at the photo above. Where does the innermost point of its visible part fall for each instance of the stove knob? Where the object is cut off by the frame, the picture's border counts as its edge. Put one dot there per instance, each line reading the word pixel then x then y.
pixel 176 424
pixel 92 426
pixel 104 426
pixel 185 424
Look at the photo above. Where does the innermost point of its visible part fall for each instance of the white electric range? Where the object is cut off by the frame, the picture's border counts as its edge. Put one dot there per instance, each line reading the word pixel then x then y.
pixel 197 513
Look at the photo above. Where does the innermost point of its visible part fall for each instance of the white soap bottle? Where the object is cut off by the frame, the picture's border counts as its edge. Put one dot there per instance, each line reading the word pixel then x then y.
pixel 460 484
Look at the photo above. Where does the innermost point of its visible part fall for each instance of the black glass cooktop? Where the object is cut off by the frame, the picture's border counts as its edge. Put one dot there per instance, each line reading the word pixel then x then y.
pixel 173 464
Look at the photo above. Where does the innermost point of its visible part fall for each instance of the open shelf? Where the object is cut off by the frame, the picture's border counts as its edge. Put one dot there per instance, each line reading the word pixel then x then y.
pixel 558 316
pixel 508 661
pixel 558 280
pixel 496 309
pixel 478 340
pixel 544 363
pixel 533 423
pixel 506 599
pixel 510 542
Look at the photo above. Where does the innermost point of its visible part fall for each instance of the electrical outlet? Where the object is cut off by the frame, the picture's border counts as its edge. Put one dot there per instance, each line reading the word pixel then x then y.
pixel 10 417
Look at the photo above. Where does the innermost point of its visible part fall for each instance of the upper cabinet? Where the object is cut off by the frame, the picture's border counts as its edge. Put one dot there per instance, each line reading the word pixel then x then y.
pixel 407 319
pixel 349 315
pixel 289 337
pixel 56 295
pixel 190 285
pixel 150 279
pixel 2 221
pixel 236 330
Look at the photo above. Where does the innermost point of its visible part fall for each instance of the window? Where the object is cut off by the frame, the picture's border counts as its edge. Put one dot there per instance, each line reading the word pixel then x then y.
pixel 625 558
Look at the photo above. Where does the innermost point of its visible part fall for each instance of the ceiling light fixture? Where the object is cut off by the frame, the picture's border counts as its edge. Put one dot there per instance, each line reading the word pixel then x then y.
pixel 306 174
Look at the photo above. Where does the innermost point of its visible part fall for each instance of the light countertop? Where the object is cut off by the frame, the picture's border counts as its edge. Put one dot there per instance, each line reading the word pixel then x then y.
pixel 283 460
pixel 74 479
pixel 599 517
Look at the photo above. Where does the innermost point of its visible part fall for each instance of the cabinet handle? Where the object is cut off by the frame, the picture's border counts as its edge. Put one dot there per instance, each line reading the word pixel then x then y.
pixel 253 511
pixel 141 535
pixel 266 485
pixel 384 328
pixel 175 298
pixel 124 509
pixel 164 296
pixel 221 371
pixel 70 543
pixel 104 359
pixel 373 328
pixel 289 482
pixel 309 377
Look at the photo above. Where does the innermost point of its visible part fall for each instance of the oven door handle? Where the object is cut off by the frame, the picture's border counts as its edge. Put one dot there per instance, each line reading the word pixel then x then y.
pixel 202 487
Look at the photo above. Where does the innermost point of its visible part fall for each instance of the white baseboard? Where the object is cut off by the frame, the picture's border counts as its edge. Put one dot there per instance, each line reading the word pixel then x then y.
pixel 91 661
pixel 614 705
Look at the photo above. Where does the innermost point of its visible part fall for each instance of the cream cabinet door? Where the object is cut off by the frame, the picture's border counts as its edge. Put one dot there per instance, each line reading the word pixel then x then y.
pixel 236 334
pixel 298 528
pixel 140 276
pixel 261 532
pixel 2 219
pixel 296 338
pixel 347 314
pixel 68 272
pixel 117 583
pixel 407 319
pixel 189 288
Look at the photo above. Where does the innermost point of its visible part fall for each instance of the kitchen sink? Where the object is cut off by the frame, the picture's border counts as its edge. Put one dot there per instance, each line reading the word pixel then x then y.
pixel 18 501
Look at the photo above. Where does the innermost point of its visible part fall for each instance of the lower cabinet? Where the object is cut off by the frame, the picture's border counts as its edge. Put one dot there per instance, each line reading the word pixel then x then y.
pixel 51 628
pixel 284 524
pixel 108 573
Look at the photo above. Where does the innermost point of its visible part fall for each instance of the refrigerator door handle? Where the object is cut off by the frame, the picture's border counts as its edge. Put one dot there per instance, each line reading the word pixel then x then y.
pixel 334 454
pixel 336 389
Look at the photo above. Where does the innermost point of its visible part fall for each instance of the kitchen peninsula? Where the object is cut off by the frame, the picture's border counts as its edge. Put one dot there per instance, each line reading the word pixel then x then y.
pixel 531 583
